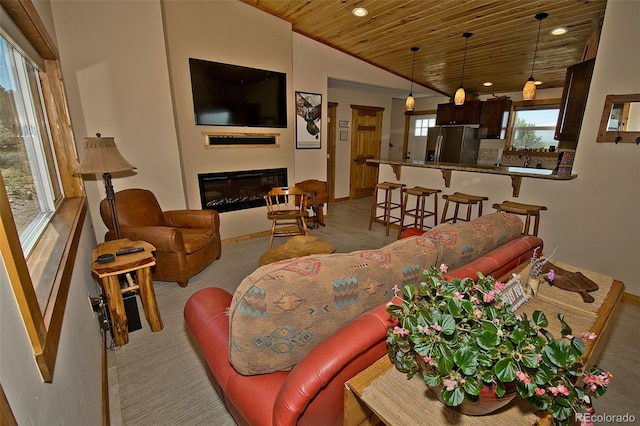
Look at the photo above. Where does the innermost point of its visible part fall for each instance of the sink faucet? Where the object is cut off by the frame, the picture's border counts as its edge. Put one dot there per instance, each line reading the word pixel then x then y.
pixel 527 158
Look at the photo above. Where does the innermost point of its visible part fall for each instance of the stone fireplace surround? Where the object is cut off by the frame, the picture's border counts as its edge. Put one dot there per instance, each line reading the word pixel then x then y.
pixel 238 190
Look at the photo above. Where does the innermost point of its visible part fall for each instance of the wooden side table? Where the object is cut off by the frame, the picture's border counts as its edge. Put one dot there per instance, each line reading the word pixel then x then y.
pixel 140 263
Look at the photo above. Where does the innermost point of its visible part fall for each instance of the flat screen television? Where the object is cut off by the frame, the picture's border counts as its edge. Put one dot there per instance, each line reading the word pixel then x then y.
pixel 232 95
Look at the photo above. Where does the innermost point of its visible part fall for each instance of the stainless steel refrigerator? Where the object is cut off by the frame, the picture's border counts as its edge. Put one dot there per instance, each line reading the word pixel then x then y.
pixel 453 144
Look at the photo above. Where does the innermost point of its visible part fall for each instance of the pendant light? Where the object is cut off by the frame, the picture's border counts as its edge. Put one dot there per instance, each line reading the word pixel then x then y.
pixel 529 90
pixel 460 95
pixel 410 102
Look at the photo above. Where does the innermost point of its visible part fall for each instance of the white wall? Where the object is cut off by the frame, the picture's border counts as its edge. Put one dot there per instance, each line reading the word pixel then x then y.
pixel 115 70
pixel 74 397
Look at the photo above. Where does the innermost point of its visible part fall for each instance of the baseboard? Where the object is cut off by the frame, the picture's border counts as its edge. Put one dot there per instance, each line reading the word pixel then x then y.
pixel 106 418
pixel 631 299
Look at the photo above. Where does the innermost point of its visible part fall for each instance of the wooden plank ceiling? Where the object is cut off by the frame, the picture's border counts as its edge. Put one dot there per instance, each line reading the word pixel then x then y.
pixel 500 51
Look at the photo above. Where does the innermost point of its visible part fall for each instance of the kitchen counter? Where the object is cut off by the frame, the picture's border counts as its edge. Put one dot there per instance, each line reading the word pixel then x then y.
pixel 516 173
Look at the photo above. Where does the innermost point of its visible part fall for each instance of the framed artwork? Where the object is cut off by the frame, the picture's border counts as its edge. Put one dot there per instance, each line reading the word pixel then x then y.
pixel 344 135
pixel 308 120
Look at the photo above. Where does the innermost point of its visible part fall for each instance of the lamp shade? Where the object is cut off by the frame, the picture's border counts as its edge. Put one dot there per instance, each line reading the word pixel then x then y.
pixel 529 90
pixel 410 103
pixel 101 155
pixel 459 97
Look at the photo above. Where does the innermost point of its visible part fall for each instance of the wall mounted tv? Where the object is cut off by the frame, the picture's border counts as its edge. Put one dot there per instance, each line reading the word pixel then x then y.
pixel 232 95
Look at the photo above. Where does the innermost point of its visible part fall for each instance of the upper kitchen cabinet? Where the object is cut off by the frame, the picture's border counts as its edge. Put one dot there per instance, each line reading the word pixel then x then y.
pixel 574 100
pixel 494 118
pixel 467 113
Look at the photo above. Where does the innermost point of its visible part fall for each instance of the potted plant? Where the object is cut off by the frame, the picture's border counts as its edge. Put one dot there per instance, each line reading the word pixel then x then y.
pixel 467 341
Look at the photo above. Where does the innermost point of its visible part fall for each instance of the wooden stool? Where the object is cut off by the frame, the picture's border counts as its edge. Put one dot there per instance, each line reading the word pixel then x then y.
pixel 420 212
pixel 387 205
pixel 140 262
pixel 460 198
pixel 527 210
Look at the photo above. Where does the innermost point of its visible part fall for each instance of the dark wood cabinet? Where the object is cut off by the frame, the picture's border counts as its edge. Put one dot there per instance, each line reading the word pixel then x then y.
pixel 574 100
pixel 467 113
pixel 494 117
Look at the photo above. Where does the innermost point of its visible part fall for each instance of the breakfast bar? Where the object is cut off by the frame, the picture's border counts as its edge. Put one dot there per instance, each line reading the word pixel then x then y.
pixel 515 173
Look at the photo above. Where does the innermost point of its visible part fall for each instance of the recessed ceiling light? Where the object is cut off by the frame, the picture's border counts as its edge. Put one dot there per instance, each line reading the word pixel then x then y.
pixel 360 12
pixel 558 31
pixel 487 84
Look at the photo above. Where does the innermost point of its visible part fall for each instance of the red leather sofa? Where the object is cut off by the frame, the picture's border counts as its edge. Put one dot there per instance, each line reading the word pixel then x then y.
pixel 312 391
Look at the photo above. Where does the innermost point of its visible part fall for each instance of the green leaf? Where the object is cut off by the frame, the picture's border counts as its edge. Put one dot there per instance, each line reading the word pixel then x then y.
pixel 500 389
pixel 453 398
pixel 530 358
pixel 525 390
pixel 432 379
pixel 471 387
pixel 467 360
pixel 408 292
pixel 560 412
pixel 455 307
pixel 448 324
pixel 517 335
pixel 578 345
pixel 540 319
pixel 505 370
pixel 445 364
pixel 566 330
pixel 487 339
pixel 560 354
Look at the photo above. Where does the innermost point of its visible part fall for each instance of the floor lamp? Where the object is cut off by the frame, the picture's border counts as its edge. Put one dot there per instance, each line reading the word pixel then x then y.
pixel 102 156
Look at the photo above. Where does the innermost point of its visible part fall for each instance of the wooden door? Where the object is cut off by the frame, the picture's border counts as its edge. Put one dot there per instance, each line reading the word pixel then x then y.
pixel 366 136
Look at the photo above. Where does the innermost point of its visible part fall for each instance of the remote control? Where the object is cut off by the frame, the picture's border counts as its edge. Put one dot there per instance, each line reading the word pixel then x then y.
pixel 129 250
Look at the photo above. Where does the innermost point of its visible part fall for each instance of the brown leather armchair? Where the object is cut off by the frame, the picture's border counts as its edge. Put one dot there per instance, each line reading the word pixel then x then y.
pixel 186 241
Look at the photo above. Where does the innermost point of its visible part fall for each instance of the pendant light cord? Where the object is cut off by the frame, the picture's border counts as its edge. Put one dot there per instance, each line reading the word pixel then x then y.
pixel 413 66
pixel 464 61
pixel 535 52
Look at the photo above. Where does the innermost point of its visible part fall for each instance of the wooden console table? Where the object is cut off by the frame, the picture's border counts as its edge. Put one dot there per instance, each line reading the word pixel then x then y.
pixel 383 394
pixel 140 263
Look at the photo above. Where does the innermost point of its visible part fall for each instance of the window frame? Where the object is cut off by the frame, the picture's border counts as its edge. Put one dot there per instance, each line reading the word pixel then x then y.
pixel 56 249
pixel 512 116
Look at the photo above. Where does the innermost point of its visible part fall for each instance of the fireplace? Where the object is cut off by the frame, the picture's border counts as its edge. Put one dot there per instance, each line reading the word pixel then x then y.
pixel 229 191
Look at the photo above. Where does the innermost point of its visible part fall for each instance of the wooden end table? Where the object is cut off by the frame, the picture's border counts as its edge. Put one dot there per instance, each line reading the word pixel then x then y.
pixel 382 394
pixel 140 263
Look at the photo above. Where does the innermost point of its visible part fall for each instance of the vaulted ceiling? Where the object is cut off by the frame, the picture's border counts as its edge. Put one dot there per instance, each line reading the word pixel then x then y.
pixel 500 51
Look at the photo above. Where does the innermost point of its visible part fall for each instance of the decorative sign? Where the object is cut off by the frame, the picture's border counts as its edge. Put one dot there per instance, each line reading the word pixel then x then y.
pixel 513 293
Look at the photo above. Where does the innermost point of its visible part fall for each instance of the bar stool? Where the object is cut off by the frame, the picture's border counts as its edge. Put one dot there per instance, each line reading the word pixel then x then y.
pixel 460 198
pixel 419 213
pixel 527 210
pixel 387 205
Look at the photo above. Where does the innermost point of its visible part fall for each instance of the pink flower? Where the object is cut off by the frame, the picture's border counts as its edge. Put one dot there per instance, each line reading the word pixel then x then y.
pixel 489 296
pixel 478 314
pixel 499 286
pixel 563 390
pixel 540 391
pixel 436 327
pixel 587 335
pixel 458 296
pixel 428 360
pixel 551 275
pixel 401 331
pixel 443 268
pixel 395 289
pixel 523 377
pixel 450 384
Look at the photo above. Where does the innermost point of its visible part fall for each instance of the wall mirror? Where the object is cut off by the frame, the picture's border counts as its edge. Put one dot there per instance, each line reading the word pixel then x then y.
pixel 620 120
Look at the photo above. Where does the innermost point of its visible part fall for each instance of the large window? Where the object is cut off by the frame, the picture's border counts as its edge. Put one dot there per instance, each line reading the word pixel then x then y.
pixel 423 124
pixel 534 127
pixel 27 160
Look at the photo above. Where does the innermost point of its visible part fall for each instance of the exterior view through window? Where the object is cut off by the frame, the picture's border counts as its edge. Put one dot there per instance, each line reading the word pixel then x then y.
pixel 534 127
pixel 26 156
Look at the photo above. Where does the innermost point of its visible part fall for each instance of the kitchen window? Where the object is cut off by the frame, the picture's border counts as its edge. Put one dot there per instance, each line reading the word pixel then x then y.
pixel 423 124
pixel 534 127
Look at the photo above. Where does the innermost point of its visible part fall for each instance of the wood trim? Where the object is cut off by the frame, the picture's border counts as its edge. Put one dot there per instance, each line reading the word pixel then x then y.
pixel 631 299
pixel 6 414
pixel 26 18
pixel 106 417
